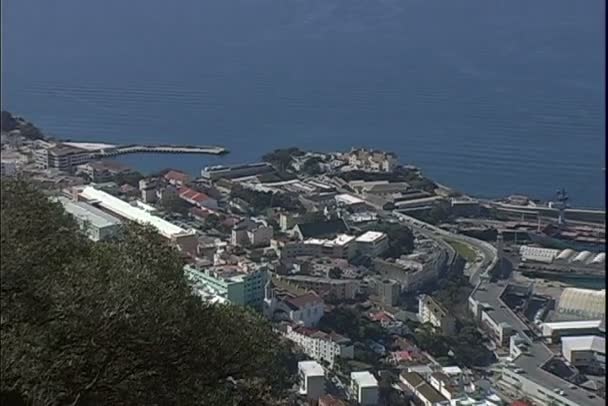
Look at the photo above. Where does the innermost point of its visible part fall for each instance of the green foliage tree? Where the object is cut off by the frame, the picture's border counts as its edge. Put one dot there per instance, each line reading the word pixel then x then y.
pixel 86 323
pixel 335 273
pixel 401 239
pixel 281 158
pixel 312 166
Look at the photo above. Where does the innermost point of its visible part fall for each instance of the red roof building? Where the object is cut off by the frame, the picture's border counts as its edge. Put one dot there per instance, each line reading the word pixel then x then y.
pixel 197 198
pixel 177 178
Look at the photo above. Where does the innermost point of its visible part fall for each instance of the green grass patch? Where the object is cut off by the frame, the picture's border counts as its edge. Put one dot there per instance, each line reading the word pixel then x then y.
pixel 464 250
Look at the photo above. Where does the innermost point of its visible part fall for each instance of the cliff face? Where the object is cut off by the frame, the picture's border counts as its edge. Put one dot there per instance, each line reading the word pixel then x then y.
pixel 28 130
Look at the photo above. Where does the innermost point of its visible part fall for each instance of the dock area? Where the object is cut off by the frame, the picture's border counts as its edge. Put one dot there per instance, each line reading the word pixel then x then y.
pixel 160 149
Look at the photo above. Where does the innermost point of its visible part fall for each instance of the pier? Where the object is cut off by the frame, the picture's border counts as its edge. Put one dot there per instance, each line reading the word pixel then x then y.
pixel 160 149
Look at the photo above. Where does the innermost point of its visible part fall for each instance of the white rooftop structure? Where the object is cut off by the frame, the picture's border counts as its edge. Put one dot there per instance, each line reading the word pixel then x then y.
pixel 88 213
pixel 452 370
pixel 370 236
pixel 145 206
pixel 584 343
pixel 311 368
pixel 126 210
pixel 587 303
pixel 545 255
pixel 364 379
pixel 348 199
pixel 582 256
pixel 565 254
pixel 599 258
pixel 549 328
pixel 340 240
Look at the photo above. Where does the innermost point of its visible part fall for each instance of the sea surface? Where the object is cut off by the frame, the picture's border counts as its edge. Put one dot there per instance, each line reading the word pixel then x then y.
pixel 492 97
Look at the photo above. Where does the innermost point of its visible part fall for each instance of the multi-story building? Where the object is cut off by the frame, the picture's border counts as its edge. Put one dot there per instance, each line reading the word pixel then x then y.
pixel 340 289
pixel 389 291
pixel 312 380
pixel 320 345
pixel 62 157
pixel 251 234
pixel 432 312
pixel 230 283
pixel 98 224
pixel 177 178
pixel 371 160
pixel 364 388
pixel 102 171
pixel 422 390
pixel 305 310
pixel 412 275
pixel 342 246
pixel 147 188
pixel 372 243
pixel 585 351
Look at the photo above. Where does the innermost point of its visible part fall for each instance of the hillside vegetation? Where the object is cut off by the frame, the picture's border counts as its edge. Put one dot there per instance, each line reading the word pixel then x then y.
pixel 86 323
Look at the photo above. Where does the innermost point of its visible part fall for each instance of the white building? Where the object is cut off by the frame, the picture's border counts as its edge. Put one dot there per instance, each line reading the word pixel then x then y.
pixel 340 247
pixel 555 331
pixel 430 311
pixel 319 345
pixel 185 239
pixel 305 310
pixel 584 303
pixel 534 254
pixel 97 224
pixel 251 234
pixel 584 351
pixel 312 379
pixel 354 203
pixel 370 160
pixel 372 243
pixel 364 388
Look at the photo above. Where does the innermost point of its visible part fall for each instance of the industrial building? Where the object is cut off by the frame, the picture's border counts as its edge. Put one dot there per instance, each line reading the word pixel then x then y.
pixel 312 380
pixel 587 304
pixel 364 388
pixel 185 240
pixel 553 332
pixel 534 254
pixel 98 224
pixel 585 351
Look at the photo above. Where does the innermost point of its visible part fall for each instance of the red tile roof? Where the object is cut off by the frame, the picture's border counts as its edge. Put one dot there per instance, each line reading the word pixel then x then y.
pixel 192 195
pixel 300 301
pixel 381 316
pixel 177 176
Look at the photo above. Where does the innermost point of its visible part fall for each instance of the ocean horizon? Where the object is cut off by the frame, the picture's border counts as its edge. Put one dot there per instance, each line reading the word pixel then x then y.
pixel 490 98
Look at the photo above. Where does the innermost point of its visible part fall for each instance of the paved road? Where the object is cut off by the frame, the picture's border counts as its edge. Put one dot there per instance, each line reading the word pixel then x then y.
pixel 487 251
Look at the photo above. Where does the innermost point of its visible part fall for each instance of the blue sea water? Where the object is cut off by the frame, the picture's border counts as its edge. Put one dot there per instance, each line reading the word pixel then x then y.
pixel 492 97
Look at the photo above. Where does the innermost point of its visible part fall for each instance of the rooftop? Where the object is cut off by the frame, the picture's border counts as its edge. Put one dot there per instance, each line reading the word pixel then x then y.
pixel 565 325
pixel 301 301
pixel 322 229
pixel 348 199
pixel 370 236
pixel 311 368
pixel 585 343
pixel 88 213
pixel 126 210
pixel 177 176
pixel 339 241
pixel 364 379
